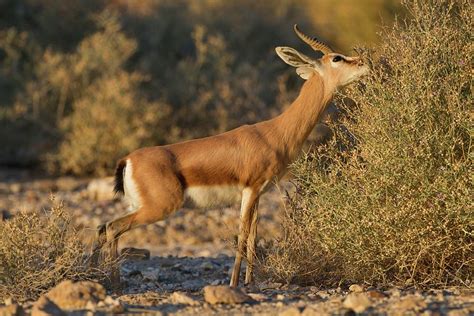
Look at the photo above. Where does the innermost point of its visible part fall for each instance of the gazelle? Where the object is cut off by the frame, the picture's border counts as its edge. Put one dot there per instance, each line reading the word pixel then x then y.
pixel 234 166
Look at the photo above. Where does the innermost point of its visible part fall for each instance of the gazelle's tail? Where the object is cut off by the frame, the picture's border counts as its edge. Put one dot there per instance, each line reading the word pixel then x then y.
pixel 119 171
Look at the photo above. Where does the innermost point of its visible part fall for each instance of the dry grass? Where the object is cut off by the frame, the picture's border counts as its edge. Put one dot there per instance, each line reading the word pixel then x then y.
pixel 40 249
pixel 395 208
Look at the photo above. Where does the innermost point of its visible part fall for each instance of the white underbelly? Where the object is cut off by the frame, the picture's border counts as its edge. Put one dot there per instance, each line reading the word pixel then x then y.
pixel 212 196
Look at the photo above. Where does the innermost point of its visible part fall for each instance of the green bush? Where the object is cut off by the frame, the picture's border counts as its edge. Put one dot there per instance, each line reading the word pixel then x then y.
pixel 395 207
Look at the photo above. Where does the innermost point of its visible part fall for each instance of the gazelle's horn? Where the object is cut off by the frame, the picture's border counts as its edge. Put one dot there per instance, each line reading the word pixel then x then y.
pixel 313 42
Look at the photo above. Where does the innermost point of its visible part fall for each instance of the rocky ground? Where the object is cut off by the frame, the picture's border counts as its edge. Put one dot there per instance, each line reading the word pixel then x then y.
pixel 191 258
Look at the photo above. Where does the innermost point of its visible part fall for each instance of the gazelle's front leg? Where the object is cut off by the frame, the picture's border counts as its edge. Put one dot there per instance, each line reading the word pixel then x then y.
pixel 249 198
pixel 251 244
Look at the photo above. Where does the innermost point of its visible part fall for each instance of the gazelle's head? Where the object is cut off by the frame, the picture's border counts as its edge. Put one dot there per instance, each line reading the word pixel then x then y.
pixel 335 69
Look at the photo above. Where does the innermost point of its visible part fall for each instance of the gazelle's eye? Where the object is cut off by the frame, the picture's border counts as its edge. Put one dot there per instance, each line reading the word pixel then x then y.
pixel 336 59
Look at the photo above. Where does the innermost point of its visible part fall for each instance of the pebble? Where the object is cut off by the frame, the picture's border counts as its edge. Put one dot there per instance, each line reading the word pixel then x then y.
pixel 356 288
pixel 259 297
pixel 183 298
pixel 358 302
pixel 223 294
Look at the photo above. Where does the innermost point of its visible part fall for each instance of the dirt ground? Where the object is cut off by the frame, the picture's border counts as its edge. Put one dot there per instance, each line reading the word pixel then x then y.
pixel 194 248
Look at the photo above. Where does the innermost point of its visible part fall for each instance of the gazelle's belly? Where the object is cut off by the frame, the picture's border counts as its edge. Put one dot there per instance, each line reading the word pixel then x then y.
pixel 212 196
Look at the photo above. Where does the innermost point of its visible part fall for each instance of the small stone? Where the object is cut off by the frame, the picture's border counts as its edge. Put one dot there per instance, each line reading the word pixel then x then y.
pixel 358 302
pixel 292 311
pixel 44 307
pixel 183 298
pixel 109 300
pixel 280 297
pixel 223 294
pixel 323 294
pixel 206 265
pixel 112 305
pixel 131 253
pixel 216 282
pixel 356 288
pixel 395 292
pixel 259 297
pixel 91 306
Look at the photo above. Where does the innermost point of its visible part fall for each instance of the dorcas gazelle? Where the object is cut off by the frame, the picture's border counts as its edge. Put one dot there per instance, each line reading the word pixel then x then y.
pixel 237 165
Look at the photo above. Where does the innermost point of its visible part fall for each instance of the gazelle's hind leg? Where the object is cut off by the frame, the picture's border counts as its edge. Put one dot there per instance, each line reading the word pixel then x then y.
pixel 248 201
pixel 151 185
pixel 251 244
pixel 109 236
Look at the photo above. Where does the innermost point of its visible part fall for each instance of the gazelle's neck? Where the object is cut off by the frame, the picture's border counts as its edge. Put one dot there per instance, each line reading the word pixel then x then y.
pixel 296 123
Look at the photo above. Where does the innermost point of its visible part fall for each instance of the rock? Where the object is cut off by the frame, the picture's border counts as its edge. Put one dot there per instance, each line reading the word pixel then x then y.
pixel 44 306
pixel 292 311
pixel 323 294
pixel 223 294
pixel 217 282
pixel 280 297
pixel 183 298
pixel 71 295
pixel 12 310
pixel 113 306
pixel 396 293
pixel 358 302
pixel 101 189
pixel 356 288
pixel 135 253
pixel 259 297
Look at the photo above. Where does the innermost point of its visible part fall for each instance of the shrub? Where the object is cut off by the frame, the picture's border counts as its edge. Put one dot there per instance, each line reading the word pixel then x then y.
pixel 397 207
pixel 211 61
pixel 40 249
pixel 108 122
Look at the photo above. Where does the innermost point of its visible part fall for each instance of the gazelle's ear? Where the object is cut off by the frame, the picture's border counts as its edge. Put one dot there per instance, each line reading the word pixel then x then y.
pixel 305 66
pixel 305 72
pixel 292 57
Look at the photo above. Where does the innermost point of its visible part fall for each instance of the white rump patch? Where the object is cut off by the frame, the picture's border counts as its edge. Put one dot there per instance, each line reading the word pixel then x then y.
pixel 212 196
pixel 132 195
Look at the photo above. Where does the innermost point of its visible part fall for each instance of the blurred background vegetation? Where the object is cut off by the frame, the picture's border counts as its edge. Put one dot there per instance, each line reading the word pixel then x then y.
pixel 83 82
